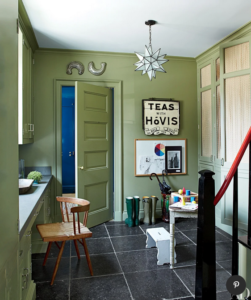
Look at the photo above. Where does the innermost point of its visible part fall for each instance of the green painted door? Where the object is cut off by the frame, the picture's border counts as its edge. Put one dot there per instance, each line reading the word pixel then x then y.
pixel 94 150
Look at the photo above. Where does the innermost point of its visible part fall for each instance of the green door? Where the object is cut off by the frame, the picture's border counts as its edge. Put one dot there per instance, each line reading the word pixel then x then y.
pixel 94 150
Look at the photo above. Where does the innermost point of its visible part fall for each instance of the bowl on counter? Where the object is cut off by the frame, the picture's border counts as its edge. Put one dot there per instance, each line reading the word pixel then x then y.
pixel 25 185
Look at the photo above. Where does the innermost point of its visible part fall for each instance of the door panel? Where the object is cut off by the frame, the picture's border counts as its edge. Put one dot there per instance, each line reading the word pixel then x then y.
pixel 94 150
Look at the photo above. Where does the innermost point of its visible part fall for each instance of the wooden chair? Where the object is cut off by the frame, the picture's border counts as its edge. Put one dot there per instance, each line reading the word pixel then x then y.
pixel 67 230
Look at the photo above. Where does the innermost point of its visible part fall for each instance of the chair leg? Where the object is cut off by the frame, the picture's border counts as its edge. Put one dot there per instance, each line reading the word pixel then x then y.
pixel 87 257
pixel 47 253
pixel 57 262
pixel 76 247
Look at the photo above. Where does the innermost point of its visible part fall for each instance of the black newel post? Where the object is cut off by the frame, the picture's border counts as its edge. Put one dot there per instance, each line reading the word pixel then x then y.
pixel 205 288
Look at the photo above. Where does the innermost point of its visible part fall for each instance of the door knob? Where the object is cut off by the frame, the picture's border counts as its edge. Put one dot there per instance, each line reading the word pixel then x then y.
pixel 81 168
pixel 69 153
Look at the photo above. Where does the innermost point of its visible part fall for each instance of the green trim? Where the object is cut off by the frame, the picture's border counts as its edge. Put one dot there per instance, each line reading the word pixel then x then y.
pixel 103 53
pixel 26 26
pixel 118 138
pixel 237 34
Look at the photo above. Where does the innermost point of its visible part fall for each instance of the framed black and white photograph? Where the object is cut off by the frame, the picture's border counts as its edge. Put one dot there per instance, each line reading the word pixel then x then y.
pixel 173 159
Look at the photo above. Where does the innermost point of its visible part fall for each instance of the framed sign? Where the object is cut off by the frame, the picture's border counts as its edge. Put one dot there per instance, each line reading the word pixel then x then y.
pixel 173 159
pixel 161 116
pixel 150 156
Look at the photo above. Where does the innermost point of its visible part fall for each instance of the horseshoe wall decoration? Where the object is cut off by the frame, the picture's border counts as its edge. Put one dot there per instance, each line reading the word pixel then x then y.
pixel 94 71
pixel 77 65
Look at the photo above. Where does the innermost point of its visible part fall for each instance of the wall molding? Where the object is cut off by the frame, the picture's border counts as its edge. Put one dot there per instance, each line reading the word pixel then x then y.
pixel 235 35
pixel 26 26
pixel 104 53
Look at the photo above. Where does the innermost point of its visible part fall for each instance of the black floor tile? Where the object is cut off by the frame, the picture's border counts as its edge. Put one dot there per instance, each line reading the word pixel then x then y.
pixel 141 260
pixel 95 246
pixel 223 233
pixel 192 234
pixel 114 223
pixel 98 231
pixel 223 251
pixel 223 296
pixel 186 255
pixel 58 291
pixel 182 240
pixel 100 288
pixel 54 251
pixel 227 265
pixel 187 275
pixel 156 285
pixel 40 273
pixel 128 243
pixel 123 230
pixel 159 223
pixel 102 264
pixel 185 224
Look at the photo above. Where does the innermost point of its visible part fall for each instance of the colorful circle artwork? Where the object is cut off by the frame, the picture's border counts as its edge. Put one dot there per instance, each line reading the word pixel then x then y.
pixel 159 150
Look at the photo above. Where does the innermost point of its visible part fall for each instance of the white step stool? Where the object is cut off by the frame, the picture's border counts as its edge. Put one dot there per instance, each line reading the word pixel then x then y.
pixel 160 238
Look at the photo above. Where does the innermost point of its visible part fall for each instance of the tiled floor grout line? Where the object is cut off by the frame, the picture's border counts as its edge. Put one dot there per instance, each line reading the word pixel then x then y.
pixel 218 263
pixel 188 238
pixel 183 283
pixel 119 264
pixel 142 230
pixel 223 235
pixel 115 236
pixel 177 298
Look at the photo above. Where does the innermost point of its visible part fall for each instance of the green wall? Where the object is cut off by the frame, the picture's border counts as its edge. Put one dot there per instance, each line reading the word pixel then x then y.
pixel 178 83
pixel 8 149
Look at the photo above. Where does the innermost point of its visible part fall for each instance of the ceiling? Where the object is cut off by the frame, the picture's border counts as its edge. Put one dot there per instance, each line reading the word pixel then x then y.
pixel 184 28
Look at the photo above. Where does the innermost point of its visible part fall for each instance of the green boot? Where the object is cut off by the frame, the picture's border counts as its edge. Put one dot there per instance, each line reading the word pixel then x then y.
pixel 129 205
pixel 136 210
pixel 146 219
pixel 154 203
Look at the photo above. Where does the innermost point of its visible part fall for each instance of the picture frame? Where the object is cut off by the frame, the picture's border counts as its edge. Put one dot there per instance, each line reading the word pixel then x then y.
pixel 173 159
pixel 160 116
pixel 149 156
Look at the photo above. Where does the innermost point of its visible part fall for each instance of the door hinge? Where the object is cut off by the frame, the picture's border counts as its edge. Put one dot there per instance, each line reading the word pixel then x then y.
pixel 17 26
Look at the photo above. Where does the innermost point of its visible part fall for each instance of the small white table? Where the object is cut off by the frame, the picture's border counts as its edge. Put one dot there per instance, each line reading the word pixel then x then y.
pixel 160 238
pixel 177 213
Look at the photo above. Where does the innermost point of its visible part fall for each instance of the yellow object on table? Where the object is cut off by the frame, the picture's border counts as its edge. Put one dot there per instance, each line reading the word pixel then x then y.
pixel 186 197
pixel 183 202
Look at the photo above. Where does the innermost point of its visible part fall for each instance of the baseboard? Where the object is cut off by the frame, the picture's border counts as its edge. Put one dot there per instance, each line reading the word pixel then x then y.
pixel 39 247
pixel 141 214
pixel 31 295
pixel 118 216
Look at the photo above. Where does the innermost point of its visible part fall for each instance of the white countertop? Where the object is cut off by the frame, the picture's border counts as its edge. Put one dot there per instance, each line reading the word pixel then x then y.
pixel 29 202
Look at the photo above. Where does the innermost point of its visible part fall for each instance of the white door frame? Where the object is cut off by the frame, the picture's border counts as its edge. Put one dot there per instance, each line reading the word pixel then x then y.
pixel 117 85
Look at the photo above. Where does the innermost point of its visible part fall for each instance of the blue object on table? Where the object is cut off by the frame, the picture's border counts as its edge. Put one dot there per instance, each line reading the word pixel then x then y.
pixel 187 193
pixel 192 199
pixel 176 199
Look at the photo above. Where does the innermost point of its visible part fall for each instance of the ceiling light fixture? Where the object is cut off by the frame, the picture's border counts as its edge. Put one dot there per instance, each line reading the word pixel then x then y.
pixel 150 62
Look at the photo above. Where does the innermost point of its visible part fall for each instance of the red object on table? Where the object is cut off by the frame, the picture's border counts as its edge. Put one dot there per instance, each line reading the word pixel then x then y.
pixel 184 191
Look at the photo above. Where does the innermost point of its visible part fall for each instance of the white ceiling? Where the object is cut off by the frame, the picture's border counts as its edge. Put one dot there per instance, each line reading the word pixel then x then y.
pixel 185 27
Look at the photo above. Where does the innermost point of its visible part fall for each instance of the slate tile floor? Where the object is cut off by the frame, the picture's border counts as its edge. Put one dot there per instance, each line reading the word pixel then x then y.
pixel 124 269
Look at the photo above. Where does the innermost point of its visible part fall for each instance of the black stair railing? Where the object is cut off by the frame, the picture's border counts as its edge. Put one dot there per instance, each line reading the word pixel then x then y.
pixel 205 285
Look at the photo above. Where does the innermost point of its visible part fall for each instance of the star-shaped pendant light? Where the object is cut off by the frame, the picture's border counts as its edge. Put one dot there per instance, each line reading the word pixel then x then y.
pixel 150 62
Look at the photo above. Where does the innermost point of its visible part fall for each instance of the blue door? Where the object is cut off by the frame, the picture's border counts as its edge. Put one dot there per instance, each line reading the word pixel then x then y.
pixel 68 139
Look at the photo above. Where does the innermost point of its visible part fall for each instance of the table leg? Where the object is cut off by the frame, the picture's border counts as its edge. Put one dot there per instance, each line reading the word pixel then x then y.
pixel 172 230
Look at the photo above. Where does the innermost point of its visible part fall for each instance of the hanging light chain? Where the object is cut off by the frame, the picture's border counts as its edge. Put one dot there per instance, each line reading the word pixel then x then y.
pixel 150 36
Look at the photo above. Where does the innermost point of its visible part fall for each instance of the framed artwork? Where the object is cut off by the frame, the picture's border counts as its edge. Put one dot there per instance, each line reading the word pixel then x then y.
pixel 149 156
pixel 173 159
pixel 160 116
